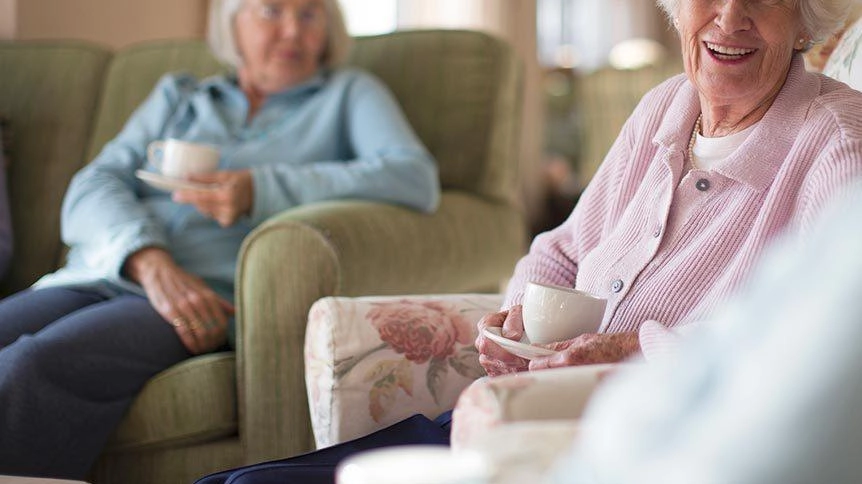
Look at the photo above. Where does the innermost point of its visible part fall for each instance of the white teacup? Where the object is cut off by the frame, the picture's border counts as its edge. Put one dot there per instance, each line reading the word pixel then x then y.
pixel 416 464
pixel 180 159
pixel 555 313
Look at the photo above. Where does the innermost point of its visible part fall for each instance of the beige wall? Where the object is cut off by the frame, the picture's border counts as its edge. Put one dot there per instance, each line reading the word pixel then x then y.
pixel 7 19
pixel 115 23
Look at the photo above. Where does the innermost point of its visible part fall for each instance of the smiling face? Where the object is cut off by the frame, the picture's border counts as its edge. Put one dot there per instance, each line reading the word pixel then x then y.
pixel 281 42
pixel 738 52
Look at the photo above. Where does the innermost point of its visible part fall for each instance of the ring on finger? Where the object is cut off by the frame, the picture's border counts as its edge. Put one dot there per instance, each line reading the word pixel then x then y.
pixel 178 322
pixel 195 325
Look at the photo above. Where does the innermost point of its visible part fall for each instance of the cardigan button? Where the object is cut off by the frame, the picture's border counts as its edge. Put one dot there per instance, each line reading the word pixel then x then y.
pixel 617 285
pixel 702 184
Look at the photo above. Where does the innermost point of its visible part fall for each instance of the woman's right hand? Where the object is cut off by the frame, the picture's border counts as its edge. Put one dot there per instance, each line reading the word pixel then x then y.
pixel 493 358
pixel 197 313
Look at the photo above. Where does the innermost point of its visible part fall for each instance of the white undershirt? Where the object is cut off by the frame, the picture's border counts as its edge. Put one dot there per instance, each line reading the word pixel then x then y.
pixel 709 151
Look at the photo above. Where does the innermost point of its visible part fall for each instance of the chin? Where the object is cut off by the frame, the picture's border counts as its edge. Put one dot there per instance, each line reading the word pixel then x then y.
pixel 286 81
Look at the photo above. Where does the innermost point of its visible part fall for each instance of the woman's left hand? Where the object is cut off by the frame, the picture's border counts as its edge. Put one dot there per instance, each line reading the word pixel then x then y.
pixel 226 203
pixel 589 349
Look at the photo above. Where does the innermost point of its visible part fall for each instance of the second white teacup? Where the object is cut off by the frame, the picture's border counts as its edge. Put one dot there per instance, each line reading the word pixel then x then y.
pixel 180 159
pixel 414 464
pixel 555 313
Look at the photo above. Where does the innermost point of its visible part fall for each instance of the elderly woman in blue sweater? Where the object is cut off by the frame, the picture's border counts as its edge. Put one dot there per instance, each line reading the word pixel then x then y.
pixel 150 275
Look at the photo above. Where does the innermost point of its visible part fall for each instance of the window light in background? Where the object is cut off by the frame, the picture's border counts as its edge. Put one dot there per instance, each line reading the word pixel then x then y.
pixel 636 53
pixel 583 34
pixel 370 17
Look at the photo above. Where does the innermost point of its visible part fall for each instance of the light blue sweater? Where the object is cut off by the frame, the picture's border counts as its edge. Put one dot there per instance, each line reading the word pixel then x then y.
pixel 340 135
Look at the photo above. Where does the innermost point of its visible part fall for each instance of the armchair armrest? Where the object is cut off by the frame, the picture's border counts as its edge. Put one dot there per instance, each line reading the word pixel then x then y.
pixel 559 394
pixel 347 248
pixel 373 361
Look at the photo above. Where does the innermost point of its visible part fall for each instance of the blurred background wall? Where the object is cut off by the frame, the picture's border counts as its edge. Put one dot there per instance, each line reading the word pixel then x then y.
pixel 114 23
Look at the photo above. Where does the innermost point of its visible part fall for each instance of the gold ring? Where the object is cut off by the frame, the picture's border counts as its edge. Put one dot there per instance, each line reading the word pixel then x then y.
pixel 177 322
pixel 195 325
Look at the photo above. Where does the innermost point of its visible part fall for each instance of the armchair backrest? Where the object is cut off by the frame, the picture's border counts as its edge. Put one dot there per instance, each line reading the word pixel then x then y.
pixel 460 90
pixel 48 92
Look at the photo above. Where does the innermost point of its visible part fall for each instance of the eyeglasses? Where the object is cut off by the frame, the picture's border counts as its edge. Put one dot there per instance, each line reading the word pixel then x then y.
pixel 310 15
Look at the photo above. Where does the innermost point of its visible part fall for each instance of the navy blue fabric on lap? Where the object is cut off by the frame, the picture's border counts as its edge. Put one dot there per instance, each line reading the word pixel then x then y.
pixel 319 467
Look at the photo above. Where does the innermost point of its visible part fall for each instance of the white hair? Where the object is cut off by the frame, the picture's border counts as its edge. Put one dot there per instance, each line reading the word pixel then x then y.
pixel 820 18
pixel 222 42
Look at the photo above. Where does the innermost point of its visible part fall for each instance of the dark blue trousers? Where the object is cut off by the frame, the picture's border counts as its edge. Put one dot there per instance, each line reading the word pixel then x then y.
pixel 319 467
pixel 71 362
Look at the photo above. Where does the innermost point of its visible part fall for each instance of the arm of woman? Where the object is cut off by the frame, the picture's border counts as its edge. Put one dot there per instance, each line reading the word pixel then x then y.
pixel 118 236
pixel 829 180
pixel 102 216
pixel 554 256
pixel 390 165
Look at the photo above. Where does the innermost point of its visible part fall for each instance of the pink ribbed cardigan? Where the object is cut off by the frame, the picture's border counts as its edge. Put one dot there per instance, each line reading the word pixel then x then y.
pixel 666 244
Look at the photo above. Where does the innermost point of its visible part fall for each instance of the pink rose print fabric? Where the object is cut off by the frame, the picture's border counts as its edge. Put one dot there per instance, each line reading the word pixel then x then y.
pixel 421 330
pixel 372 361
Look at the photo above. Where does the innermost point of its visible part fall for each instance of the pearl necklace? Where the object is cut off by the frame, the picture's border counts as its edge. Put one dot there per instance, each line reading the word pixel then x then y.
pixel 693 139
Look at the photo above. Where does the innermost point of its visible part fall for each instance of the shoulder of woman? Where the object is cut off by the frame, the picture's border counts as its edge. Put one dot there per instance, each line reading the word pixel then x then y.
pixel 353 75
pixel 839 103
pixel 182 84
pixel 668 88
pixel 356 81
pixel 660 97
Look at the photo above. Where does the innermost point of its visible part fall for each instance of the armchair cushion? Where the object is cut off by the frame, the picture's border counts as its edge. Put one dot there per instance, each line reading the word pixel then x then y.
pixel 170 410
pixel 556 394
pixel 373 361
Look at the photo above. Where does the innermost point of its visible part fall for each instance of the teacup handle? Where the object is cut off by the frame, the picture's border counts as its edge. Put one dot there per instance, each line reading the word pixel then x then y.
pixel 155 152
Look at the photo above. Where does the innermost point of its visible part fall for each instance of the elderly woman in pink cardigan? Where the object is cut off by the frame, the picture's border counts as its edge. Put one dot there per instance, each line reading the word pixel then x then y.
pixel 711 166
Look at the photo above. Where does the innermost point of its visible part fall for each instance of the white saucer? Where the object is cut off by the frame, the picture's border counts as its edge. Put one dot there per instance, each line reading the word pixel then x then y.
pixel 167 183
pixel 517 348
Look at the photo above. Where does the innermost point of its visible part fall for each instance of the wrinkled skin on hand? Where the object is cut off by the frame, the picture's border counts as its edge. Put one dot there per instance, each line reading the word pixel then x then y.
pixel 589 349
pixel 585 349
pixel 199 315
pixel 231 199
pixel 493 358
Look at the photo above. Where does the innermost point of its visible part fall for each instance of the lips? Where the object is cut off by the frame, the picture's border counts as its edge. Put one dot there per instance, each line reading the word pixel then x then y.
pixel 724 52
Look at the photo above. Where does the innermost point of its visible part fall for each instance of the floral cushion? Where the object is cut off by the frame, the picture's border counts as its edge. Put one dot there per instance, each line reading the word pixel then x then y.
pixel 373 361
pixel 845 62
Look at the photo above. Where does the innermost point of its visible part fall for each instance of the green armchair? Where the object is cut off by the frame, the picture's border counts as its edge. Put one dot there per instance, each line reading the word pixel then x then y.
pixel 460 90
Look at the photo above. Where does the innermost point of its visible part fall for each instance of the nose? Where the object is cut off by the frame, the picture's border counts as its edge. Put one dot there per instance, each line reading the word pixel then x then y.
pixel 732 16
pixel 289 24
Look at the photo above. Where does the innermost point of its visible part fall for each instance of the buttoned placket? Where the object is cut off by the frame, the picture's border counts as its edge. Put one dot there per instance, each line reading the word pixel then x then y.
pixel 618 284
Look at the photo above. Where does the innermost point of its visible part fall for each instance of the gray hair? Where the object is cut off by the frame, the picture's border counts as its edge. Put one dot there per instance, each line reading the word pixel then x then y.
pixel 820 18
pixel 220 33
